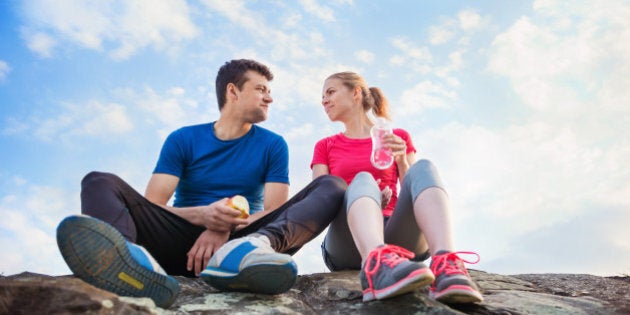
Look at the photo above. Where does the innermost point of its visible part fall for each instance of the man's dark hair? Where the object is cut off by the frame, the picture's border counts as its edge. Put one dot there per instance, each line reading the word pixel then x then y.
pixel 234 72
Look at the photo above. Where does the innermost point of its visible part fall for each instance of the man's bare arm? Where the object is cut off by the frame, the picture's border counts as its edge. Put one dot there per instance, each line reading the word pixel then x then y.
pixel 215 216
pixel 275 195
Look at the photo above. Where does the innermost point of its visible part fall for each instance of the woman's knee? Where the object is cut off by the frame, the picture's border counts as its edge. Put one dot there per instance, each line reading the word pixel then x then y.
pixel 422 166
pixel 362 186
pixel 422 169
pixel 363 178
pixel 420 176
pixel 362 181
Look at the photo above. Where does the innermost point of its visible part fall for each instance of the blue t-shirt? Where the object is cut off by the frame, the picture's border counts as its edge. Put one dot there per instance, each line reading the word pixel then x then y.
pixel 210 169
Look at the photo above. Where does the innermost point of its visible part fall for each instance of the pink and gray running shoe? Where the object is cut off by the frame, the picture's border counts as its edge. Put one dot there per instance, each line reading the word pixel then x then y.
pixel 388 272
pixel 453 284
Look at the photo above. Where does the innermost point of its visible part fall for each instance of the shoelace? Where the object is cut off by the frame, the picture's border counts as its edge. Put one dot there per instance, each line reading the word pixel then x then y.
pixel 451 263
pixel 393 256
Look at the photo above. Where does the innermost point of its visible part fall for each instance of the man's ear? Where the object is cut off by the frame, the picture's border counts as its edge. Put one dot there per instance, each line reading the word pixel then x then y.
pixel 231 92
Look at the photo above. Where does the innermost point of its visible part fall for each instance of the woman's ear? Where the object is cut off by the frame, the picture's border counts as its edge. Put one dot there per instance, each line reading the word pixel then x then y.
pixel 356 95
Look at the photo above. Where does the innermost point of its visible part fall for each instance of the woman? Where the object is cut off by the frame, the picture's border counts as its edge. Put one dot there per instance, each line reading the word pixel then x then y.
pixel 416 220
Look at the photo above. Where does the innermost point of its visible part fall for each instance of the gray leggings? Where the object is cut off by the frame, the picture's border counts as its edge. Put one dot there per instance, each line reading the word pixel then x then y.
pixel 401 229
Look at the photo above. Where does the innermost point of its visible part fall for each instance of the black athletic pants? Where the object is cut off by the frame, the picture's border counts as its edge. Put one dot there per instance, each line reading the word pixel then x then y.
pixel 169 237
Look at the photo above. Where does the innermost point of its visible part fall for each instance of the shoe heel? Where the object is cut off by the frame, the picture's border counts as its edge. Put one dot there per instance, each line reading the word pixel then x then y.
pixel 98 254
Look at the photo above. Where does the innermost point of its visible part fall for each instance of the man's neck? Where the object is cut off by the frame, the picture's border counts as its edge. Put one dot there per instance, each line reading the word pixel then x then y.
pixel 229 129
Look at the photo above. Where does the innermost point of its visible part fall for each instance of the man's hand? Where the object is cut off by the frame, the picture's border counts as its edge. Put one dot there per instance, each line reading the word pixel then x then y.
pixel 218 216
pixel 206 244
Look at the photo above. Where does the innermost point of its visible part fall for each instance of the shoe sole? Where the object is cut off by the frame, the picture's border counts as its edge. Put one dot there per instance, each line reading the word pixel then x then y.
pixel 265 279
pixel 417 279
pixel 98 254
pixel 457 295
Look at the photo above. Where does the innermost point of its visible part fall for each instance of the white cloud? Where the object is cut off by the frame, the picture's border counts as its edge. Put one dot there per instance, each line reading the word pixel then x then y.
pixel 119 27
pixel 90 119
pixel 291 45
pixel 553 185
pixel 558 63
pixel 397 60
pixel 441 34
pixel 455 63
pixel 167 111
pixel 41 43
pixel 299 85
pixel 30 217
pixel 418 58
pixel 323 13
pixel 292 20
pixel 601 235
pixel 409 47
pixel 104 119
pixel 469 20
pixel 423 95
pixel 4 70
pixel 525 179
pixel 364 56
pixel 14 126
pixel 466 21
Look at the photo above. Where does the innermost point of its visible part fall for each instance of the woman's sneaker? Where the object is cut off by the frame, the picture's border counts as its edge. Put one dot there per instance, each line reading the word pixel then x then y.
pixel 98 254
pixel 388 272
pixel 249 264
pixel 453 284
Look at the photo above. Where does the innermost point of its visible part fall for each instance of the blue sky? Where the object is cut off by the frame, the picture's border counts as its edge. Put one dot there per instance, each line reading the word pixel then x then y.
pixel 524 107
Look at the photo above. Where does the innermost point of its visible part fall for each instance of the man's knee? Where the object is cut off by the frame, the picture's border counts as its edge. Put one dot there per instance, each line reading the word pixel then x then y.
pixel 97 180
pixel 335 185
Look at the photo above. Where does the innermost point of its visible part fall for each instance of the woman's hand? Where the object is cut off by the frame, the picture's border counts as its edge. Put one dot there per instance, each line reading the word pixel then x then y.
pixel 205 246
pixel 398 147
pixel 386 195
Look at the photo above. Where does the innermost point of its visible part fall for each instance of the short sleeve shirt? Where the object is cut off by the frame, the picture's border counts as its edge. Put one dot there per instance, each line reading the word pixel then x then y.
pixel 345 157
pixel 210 169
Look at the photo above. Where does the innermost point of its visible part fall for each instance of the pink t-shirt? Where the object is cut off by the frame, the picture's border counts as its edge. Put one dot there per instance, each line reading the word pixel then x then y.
pixel 345 157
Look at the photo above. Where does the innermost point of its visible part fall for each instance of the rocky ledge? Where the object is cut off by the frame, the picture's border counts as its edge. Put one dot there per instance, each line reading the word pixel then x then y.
pixel 325 293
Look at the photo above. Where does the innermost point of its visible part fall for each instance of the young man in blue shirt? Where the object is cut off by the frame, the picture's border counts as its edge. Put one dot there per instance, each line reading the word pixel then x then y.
pixel 130 244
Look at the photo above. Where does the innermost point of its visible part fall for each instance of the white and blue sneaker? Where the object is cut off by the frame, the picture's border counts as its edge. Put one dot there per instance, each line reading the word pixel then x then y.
pixel 249 264
pixel 98 254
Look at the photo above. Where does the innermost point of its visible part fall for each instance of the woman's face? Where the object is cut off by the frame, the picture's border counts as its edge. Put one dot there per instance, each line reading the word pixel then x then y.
pixel 337 99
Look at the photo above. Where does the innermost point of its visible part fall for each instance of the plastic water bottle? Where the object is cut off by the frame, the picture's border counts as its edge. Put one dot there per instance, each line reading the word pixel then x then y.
pixel 382 157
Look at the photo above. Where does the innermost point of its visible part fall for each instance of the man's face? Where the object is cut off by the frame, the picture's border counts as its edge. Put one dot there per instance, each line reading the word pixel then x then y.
pixel 254 97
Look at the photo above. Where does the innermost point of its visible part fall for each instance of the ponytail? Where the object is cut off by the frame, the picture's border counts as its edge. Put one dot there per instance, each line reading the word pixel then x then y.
pixel 380 106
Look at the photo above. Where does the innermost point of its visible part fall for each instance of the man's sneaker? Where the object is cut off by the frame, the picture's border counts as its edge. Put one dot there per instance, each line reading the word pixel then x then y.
pixel 388 272
pixel 452 283
pixel 249 264
pixel 99 255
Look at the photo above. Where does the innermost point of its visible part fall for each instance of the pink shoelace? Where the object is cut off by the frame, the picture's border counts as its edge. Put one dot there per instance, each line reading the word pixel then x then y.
pixel 391 255
pixel 451 263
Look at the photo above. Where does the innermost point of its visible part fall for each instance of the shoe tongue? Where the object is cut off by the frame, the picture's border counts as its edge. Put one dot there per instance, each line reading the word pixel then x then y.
pixel 442 252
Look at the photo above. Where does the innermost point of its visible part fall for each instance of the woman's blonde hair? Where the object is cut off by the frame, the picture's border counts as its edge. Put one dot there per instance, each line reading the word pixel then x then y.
pixel 373 97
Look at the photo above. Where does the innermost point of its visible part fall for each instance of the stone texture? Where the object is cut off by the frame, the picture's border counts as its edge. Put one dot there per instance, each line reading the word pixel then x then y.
pixel 324 293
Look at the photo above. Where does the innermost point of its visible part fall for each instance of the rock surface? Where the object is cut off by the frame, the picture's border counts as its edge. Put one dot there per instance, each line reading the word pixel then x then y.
pixel 324 293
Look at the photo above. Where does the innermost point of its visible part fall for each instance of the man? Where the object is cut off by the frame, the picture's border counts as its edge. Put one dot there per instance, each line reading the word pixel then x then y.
pixel 124 239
